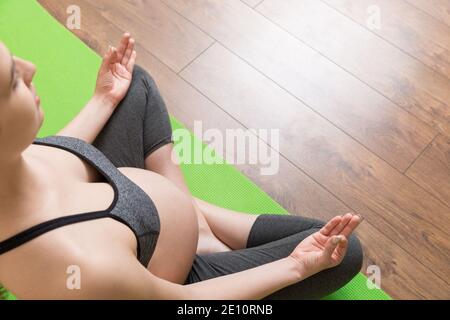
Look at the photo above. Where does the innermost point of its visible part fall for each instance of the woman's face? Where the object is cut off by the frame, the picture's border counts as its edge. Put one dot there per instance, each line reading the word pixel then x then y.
pixel 20 113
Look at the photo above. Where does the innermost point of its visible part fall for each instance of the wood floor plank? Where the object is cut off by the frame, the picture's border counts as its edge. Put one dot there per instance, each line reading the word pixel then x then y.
pixel 381 126
pixel 405 26
pixel 432 169
pixel 440 9
pixel 401 78
pixel 391 202
pixel 402 277
pixel 166 34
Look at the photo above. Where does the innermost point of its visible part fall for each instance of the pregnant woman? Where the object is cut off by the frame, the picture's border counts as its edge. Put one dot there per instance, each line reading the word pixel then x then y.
pixel 105 199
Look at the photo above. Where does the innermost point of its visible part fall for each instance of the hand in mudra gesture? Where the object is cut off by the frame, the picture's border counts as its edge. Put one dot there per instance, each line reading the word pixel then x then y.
pixel 115 74
pixel 327 247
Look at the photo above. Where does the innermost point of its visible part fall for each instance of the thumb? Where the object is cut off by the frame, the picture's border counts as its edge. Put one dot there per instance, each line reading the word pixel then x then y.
pixel 330 246
pixel 108 54
pixel 109 57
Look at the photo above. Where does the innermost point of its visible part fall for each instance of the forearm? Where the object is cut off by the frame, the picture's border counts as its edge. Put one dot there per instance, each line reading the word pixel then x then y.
pixel 251 284
pixel 128 279
pixel 90 121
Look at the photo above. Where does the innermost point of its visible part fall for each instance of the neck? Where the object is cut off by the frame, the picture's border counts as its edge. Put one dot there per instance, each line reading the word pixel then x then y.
pixel 17 179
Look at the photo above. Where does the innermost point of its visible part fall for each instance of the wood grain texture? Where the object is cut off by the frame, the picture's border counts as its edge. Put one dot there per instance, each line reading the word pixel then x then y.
pixel 167 35
pixel 390 201
pixel 432 169
pixel 374 121
pixel 406 27
pixel 439 9
pixel 399 77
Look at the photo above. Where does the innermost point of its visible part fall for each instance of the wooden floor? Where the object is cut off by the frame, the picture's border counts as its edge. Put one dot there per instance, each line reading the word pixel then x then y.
pixel 364 113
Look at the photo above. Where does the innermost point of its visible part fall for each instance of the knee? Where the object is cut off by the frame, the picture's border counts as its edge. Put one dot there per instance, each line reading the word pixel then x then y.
pixel 139 72
pixel 333 279
pixel 353 259
pixel 143 80
pixel 141 75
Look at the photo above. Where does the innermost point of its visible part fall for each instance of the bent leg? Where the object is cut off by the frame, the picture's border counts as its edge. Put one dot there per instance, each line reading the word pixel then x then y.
pixel 140 135
pixel 274 237
pixel 272 227
pixel 231 227
pixel 124 139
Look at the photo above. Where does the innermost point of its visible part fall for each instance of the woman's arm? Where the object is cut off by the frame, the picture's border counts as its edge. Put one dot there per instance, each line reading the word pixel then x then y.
pixel 250 284
pixel 113 82
pixel 90 121
pixel 110 277
pixel 128 279
pixel 321 250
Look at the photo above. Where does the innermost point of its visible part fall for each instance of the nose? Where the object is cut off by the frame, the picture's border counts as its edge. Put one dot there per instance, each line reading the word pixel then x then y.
pixel 27 69
pixel 30 71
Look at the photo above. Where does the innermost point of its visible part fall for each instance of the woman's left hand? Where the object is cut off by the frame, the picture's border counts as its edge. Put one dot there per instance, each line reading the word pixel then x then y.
pixel 115 74
pixel 326 248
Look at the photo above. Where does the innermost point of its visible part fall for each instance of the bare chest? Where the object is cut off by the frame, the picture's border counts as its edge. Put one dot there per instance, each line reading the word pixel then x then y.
pixel 70 187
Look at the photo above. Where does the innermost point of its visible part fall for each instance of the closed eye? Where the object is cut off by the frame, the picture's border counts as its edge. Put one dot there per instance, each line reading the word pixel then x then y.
pixel 15 80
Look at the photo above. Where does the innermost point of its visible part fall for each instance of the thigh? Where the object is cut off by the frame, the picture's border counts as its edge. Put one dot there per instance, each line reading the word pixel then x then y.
pixel 139 126
pixel 157 126
pixel 122 138
pixel 271 227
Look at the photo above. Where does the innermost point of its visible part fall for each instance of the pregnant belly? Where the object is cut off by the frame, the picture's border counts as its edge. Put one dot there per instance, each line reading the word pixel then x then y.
pixel 178 238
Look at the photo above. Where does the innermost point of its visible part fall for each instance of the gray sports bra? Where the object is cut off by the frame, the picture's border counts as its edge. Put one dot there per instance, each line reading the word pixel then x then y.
pixel 131 205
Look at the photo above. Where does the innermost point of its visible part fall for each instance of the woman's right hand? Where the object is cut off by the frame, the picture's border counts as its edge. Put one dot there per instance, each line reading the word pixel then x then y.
pixel 116 72
pixel 327 247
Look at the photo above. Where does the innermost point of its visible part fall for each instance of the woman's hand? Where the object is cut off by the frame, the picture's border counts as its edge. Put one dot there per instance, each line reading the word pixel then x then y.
pixel 115 74
pixel 326 248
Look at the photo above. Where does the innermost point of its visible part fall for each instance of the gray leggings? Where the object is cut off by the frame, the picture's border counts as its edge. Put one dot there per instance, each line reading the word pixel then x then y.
pixel 140 125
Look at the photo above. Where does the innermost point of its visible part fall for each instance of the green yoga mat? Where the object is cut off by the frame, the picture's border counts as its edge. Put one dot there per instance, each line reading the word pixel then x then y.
pixel 65 80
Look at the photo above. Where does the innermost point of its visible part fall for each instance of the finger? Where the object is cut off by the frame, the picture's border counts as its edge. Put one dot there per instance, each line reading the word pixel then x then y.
pixel 330 246
pixel 123 46
pixel 330 225
pixel 106 58
pixel 114 56
pixel 341 249
pixel 352 225
pixel 345 220
pixel 128 52
pixel 130 65
pixel 107 55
